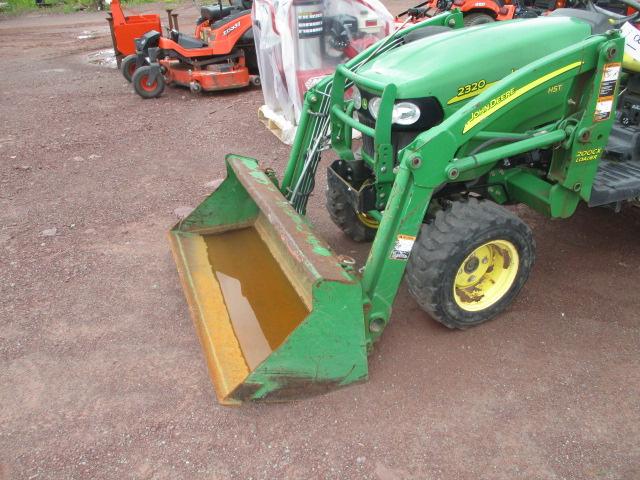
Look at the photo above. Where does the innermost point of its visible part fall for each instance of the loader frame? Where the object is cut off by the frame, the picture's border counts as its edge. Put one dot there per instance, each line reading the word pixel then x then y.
pixel 439 156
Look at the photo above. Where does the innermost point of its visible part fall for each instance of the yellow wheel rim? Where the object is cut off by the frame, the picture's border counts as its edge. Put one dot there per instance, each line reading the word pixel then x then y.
pixel 486 275
pixel 368 220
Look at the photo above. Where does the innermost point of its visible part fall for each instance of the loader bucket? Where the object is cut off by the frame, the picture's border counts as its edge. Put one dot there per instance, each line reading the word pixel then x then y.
pixel 277 314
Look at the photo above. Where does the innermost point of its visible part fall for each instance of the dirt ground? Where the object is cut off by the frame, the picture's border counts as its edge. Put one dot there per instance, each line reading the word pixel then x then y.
pixel 101 374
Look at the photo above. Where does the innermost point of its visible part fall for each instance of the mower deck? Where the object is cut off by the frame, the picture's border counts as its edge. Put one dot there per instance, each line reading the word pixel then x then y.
pixel 210 78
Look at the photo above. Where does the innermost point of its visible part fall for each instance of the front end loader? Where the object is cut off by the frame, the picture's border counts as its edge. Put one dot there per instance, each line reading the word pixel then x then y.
pixel 451 132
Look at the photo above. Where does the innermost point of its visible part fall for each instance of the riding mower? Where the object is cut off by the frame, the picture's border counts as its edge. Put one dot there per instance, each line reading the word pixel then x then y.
pixel 125 29
pixel 449 140
pixel 222 58
pixel 477 12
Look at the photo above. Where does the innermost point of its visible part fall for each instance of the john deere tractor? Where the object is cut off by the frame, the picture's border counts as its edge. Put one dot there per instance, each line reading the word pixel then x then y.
pixel 456 125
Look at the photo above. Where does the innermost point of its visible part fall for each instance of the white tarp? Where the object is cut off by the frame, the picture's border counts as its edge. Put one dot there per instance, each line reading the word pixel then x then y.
pixel 300 41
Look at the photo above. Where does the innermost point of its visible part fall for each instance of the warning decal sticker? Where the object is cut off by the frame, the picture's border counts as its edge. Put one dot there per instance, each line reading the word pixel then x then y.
pixel 604 105
pixel 310 24
pixel 402 248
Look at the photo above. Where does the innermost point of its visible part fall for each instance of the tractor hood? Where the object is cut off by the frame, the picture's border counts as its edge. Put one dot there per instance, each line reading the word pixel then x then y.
pixel 446 65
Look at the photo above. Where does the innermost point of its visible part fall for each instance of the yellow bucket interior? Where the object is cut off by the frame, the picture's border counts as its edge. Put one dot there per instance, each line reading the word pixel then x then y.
pixel 246 297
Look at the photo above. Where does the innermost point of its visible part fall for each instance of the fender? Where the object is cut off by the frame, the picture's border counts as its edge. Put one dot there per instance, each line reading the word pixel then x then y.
pixel 510 13
pixel 222 40
pixel 226 37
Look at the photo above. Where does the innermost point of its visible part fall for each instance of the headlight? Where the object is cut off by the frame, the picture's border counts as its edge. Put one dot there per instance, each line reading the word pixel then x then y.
pixel 405 113
pixel 374 107
pixel 357 98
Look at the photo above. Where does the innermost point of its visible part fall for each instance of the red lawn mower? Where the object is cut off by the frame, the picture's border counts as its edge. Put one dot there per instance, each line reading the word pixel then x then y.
pixel 125 29
pixel 477 12
pixel 221 57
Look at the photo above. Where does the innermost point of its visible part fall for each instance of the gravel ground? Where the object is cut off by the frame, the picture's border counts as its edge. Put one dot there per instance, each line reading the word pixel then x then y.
pixel 101 374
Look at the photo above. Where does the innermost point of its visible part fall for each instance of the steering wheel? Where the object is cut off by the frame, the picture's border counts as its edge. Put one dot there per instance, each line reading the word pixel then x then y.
pixel 615 18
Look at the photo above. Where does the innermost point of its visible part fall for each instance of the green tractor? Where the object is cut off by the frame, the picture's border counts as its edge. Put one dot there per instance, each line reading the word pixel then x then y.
pixel 452 132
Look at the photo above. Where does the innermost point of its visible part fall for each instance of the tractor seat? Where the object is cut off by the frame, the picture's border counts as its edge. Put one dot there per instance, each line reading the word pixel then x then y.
pixel 187 41
pixel 599 22
pixel 544 5
pixel 242 4
pixel 216 12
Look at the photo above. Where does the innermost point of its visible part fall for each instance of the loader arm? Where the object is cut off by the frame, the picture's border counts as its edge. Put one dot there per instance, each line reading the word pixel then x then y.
pixel 279 315
pixel 312 134
pixel 434 158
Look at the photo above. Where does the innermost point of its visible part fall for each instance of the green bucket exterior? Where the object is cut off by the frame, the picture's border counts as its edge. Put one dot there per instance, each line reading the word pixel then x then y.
pixel 326 350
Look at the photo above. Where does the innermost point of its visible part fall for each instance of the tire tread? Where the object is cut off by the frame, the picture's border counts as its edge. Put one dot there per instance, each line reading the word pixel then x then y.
pixel 346 219
pixel 446 236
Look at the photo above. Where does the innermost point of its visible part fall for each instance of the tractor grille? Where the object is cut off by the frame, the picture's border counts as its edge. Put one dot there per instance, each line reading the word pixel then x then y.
pixel 368 146
pixel 399 139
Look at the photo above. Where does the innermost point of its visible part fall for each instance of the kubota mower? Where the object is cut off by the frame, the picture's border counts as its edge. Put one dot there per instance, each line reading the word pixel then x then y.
pixel 222 58
pixel 456 124
pixel 125 29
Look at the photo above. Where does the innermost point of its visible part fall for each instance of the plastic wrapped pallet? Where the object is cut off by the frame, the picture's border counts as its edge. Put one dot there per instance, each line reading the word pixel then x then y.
pixel 300 41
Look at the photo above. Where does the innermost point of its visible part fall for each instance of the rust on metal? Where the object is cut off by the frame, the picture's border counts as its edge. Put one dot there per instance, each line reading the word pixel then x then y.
pixel 294 232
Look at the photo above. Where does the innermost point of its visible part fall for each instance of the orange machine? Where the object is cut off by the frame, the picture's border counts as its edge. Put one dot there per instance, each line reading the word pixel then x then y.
pixel 125 29
pixel 223 57
pixel 477 12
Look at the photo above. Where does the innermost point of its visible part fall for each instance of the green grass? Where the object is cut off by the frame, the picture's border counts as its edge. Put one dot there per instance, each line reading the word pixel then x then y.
pixel 22 6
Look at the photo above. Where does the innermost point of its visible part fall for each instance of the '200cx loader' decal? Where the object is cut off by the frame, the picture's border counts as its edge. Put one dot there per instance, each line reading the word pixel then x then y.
pixel 588 155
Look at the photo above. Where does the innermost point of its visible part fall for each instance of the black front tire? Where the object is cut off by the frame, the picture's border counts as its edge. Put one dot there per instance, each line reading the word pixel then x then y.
pixel 128 66
pixel 141 85
pixel 346 218
pixel 444 248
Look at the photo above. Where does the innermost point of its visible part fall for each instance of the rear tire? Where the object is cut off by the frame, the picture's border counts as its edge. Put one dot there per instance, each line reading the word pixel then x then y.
pixel 474 19
pixel 347 219
pixel 128 66
pixel 470 262
pixel 140 83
